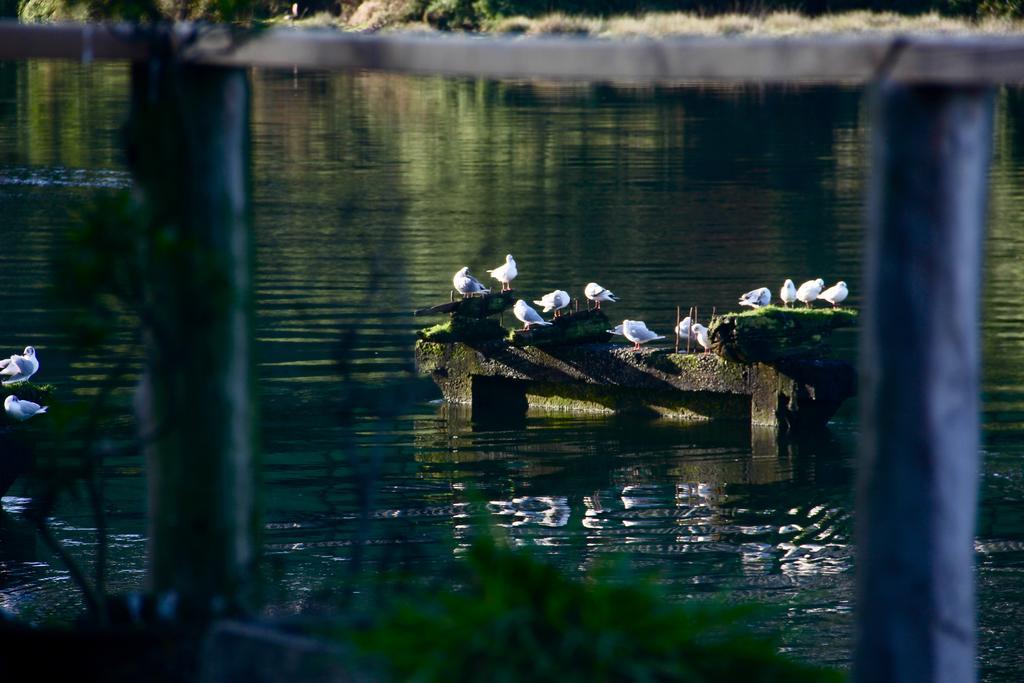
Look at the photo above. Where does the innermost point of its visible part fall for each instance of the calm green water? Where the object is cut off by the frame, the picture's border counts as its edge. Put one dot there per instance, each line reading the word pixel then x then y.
pixel 371 190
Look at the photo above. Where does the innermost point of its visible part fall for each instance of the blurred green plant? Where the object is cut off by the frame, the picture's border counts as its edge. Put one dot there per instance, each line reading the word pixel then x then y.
pixel 518 619
pixel 100 272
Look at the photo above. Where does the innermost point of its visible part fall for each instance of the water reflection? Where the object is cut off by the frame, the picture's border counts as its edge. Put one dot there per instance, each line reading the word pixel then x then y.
pixel 670 196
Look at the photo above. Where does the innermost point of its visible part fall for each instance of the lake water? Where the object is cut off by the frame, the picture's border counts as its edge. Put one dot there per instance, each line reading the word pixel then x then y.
pixel 371 190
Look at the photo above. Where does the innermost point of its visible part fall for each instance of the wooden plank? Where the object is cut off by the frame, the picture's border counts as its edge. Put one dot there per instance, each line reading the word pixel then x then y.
pixel 474 306
pixel 78 42
pixel 979 59
pixel 920 449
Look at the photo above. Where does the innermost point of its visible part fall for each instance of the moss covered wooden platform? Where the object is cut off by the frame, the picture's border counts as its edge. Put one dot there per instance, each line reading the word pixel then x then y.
pixel 495 375
pixel 774 333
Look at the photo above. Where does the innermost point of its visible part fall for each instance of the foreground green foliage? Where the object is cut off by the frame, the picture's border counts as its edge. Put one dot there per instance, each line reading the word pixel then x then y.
pixel 519 619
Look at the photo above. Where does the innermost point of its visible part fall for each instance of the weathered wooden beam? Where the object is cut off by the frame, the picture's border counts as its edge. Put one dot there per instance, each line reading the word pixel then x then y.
pixel 188 149
pixel 919 460
pixel 473 306
pixel 773 333
pixel 499 376
pixel 572 328
pixel 968 59
pixel 78 42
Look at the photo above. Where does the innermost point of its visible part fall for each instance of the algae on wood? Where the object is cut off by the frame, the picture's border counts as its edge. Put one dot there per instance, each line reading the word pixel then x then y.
pixel 773 333
pixel 576 328
pixel 474 306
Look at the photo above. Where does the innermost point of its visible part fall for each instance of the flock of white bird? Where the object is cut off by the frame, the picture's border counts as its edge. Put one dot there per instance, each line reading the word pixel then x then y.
pixel 808 293
pixel 637 331
pixel 19 368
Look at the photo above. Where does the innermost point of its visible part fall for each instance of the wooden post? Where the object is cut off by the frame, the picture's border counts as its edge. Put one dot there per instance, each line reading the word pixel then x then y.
pixel 678 319
pixel 188 148
pixel 919 459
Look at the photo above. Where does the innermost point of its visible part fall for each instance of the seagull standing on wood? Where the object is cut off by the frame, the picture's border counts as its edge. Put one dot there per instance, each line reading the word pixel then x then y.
pixel 527 315
pixel 597 293
pixel 636 331
pixel 19 368
pixel 467 285
pixel 701 333
pixel 22 410
pixel 556 300
pixel 788 292
pixel 505 274
pixel 756 298
pixel 836 294
pixel 809 291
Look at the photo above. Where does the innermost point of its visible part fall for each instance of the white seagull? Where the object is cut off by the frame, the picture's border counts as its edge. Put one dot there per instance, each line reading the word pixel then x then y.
pixel 685 329
pixel 756 298
pixel 597 293
pixel 788 292
pixel 527 315
pixel 19 368
pixel 466 284
pixel 506 273
pixel 836 294
pixel 636 331
pixel 22 410
pixel 701 333
pixel 809 291
pixel 556 300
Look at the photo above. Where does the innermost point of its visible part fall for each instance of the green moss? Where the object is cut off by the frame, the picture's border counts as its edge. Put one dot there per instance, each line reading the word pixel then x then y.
pixel 774 333
pixel 27 391
pixel 696 405
pixel 462 329
pixel 842 316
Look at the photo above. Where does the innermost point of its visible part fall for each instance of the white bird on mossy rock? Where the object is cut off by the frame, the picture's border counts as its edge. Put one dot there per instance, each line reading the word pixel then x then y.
pixel 788 292
pixel 467 285
pixel 555 301
pixel 22 410
pixel 836 294
pixel 809 291
pixel 19 368
pixel 756 298
pixel 505 274
pixel 701 333
pixel 527 315
pixel 597 293
pixel 636 331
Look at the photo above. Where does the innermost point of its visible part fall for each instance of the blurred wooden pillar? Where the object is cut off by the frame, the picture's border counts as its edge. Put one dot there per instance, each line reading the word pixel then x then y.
pixel 919 460
pixel 188 147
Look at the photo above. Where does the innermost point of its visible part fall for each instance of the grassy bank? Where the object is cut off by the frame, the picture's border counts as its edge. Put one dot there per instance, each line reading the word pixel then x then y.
pixel 600 18
pixel 375 15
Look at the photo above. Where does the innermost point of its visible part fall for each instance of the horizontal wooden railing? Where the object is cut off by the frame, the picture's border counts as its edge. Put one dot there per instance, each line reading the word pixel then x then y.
pixel 912 59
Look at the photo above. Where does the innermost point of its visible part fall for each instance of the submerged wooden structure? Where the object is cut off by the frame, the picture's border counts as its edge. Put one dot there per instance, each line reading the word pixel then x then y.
pixel 570 366
pixel 931 121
